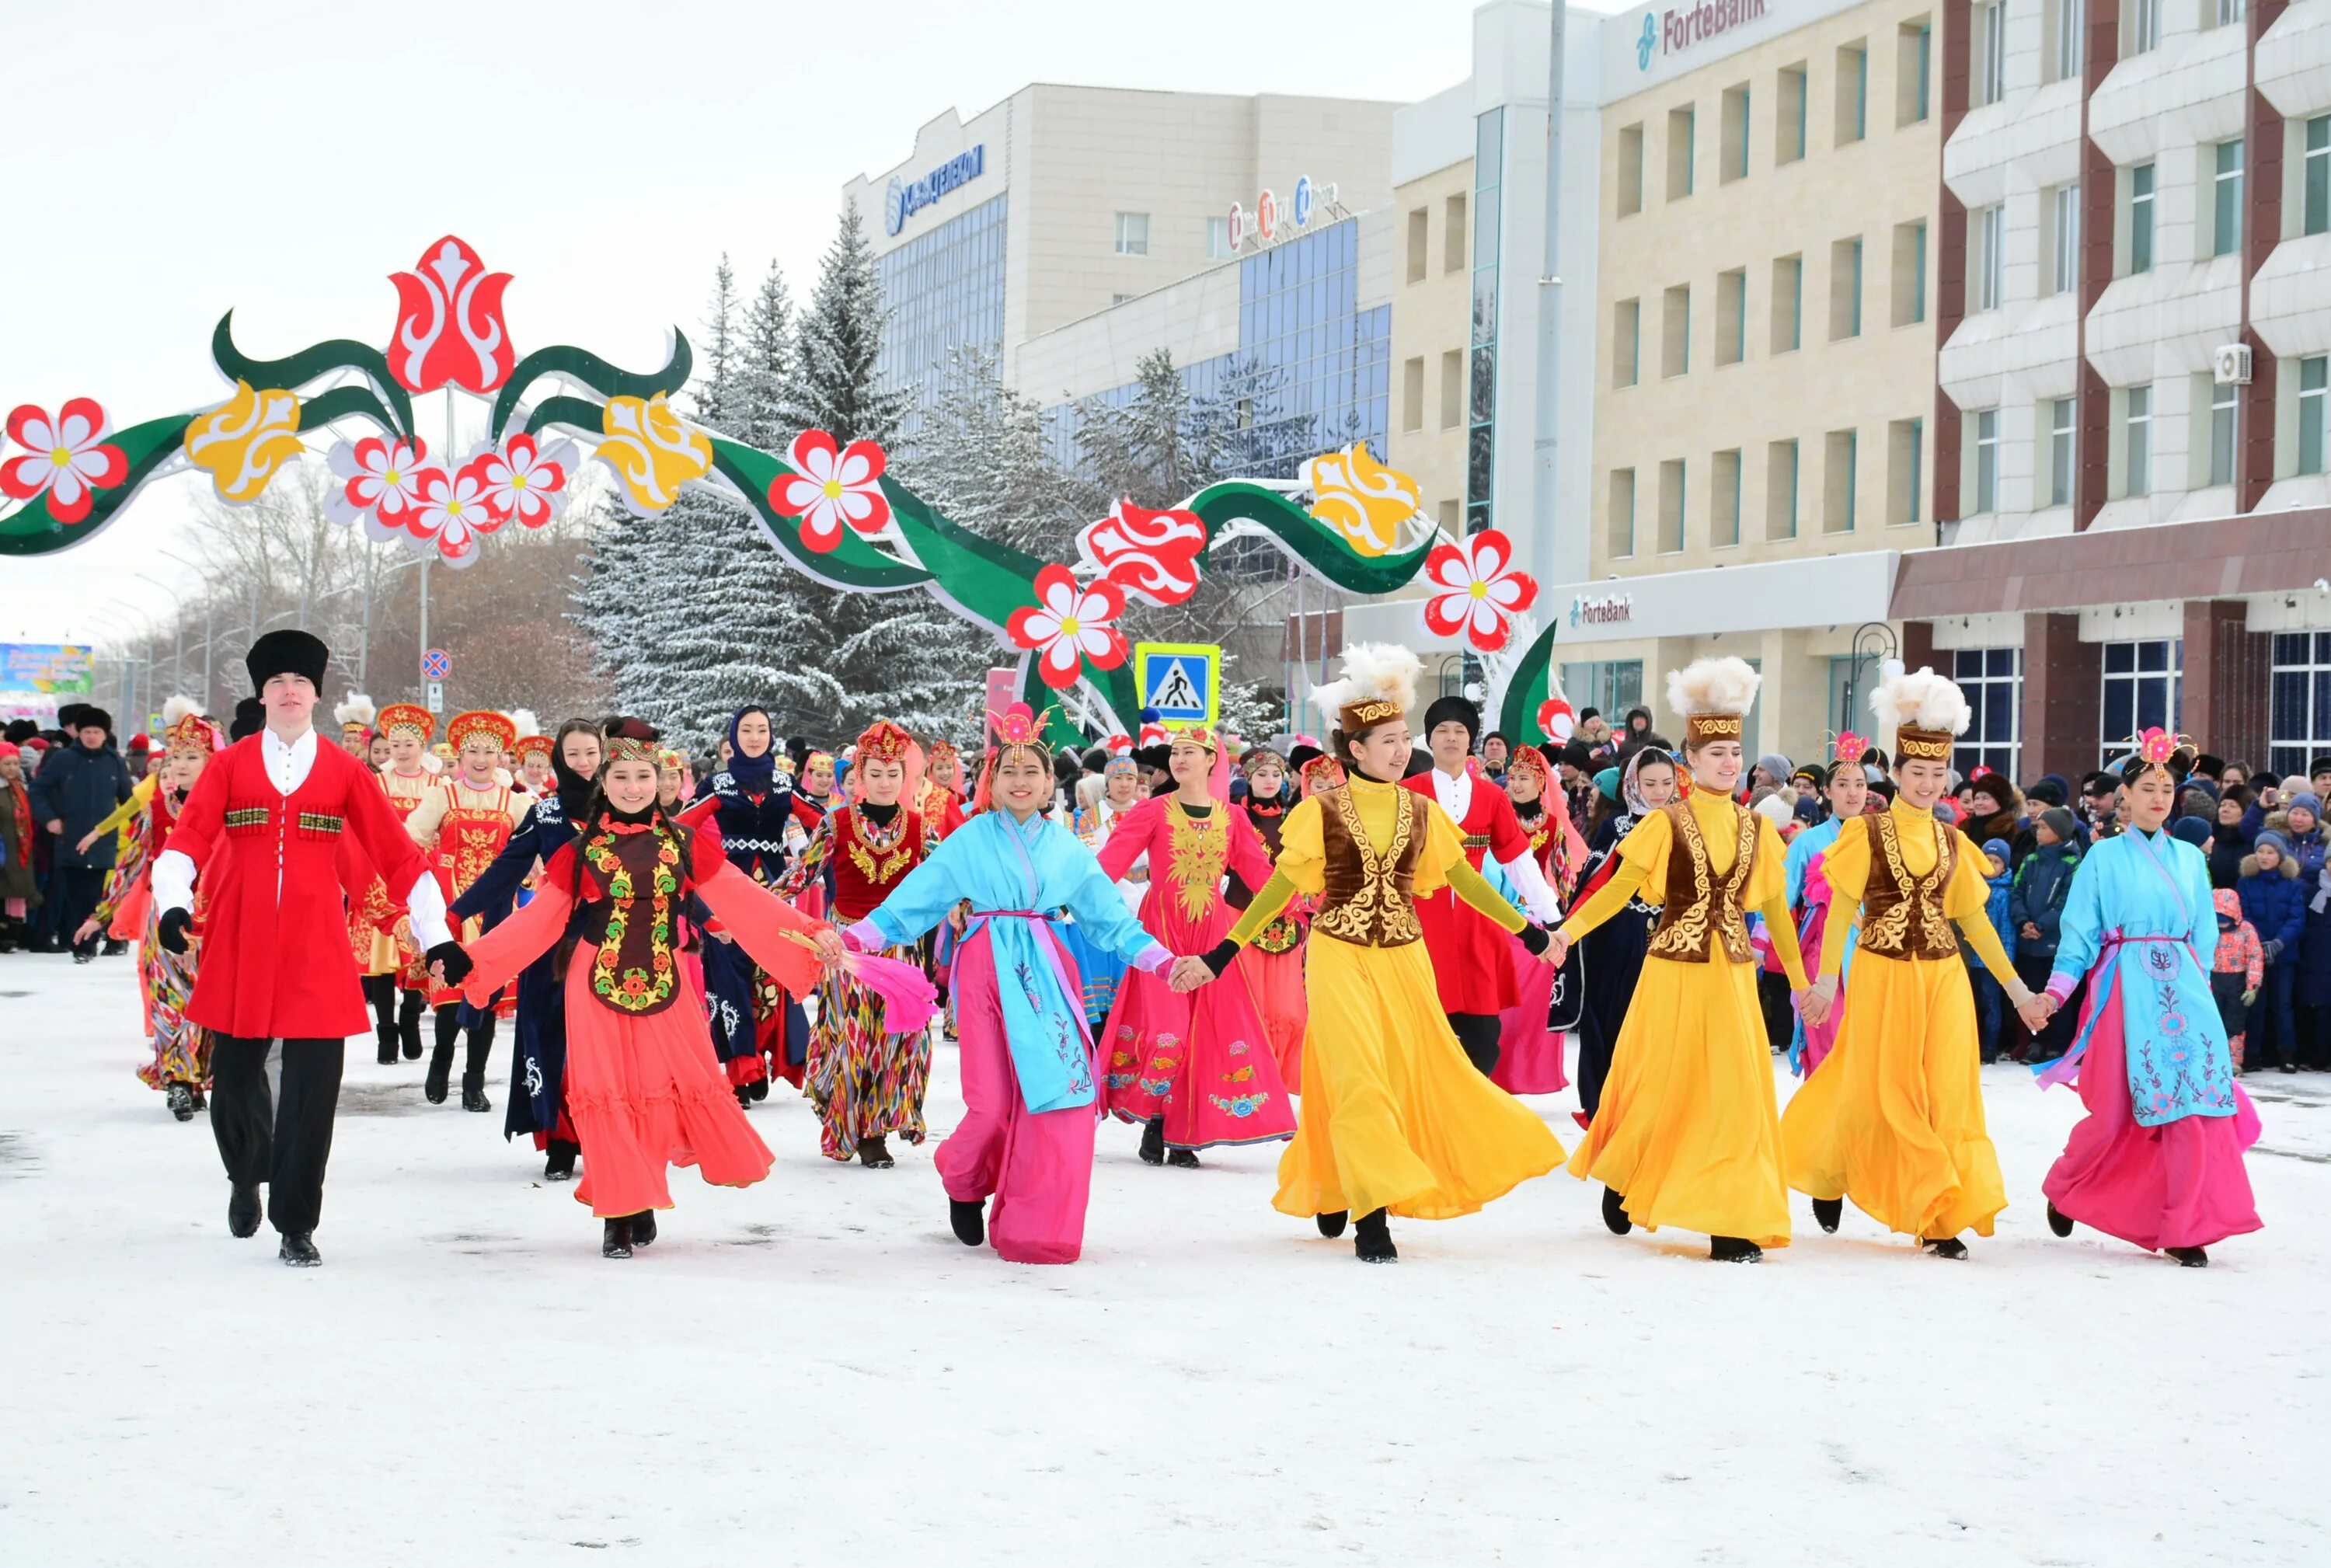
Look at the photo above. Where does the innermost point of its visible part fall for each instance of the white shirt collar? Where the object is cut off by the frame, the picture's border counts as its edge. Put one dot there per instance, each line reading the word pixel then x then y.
pixel 288 765
pixel 1455 792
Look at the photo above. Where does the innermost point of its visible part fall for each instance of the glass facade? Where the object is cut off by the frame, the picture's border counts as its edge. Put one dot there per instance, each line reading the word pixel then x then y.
pixel 2144 689
pixel 2299 714
pixel 943 290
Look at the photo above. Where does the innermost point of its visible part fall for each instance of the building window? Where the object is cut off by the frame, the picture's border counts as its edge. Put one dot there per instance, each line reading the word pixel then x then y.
pixel 2062 414
pixel 1845 289
pixel 1986 461
pixel 1841 481
pixel 2231 11
pixel 2137 449
pixel 1681 122
pixel 2064 238
pixel 2313 411
pixel 1735 134
pixel 2223 410
pixel 2226 189
pixel 1788 304
pixel 1626 342
pixel 1133 234
pixel 1218 240
pixel 2142 684
pixel 1992 682
pixel 1675 331
pixel 2140 219
pixel 1411 393
pixel 1452 388
pixel 1906 466
pixel 1909 273
pixel 1732 316
pixel 2299 707
pixel 1452 234
pixel 943 295
pixel 1116 300
pixel 1913 52
pixel 1781 490
pixel 1419 245
pixel 2315 178
pixel 1631 170
pixel 1671 507
pixel 1789 124
pixel 1852 93
pixel 1991 52
pixel 1480 436
pixel 2067 19
pixel 1610 686
pixel 1723 500
pixel 1991 257
pixel 2142 26
pixel 1621 540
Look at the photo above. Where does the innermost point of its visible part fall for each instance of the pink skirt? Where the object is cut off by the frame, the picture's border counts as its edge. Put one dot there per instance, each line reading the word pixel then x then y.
pixel 1199 1059
pixel 2179 1184
pixel 1276 982
pixel 646 1094
pixel 1529 1054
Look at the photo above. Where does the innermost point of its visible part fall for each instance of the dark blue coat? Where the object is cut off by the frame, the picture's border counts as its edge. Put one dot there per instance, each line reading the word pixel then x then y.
pixel 2276 905
pixel 81 788
pixel 2312 985
pixel 538 1063
pixel 753 837
pixel 2042 884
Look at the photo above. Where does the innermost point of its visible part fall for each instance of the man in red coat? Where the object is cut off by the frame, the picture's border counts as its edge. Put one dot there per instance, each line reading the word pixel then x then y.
pixel 1469 959
pixel 269 830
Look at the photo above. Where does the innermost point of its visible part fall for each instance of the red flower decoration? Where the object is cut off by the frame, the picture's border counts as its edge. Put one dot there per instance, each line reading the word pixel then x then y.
pixel 1152 555
pixel 68 456
pixel 1557 720
pixel 1480 591
pixel 1068 623
pixel 522 481
pixel 828 489
pixel 449 322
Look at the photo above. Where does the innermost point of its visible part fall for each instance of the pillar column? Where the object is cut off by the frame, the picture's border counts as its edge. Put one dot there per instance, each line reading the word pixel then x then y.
pixel 2224 705
pixel 2062 689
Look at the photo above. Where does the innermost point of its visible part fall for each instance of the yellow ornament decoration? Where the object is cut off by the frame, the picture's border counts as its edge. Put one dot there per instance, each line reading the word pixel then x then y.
pixel 1359 499
pixel 651 450
pixel 245 443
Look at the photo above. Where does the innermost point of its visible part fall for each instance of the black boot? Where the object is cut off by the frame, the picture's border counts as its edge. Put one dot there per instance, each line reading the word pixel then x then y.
pixel 386 1043
pixel 474 1070
pixel 1827 1212
pixel 874 1154
pixel 1949 1247
pixel 2189 1256
pixel 243 1210
pixel 438 1079
pixel 1187 1159
pixel 758 1089
pixel 560 1166
pixel 616 1240
pixel 380 995
pixel 2059 1221
pixel 643 1228
pixel 743 1098
pixel 298 1251
pixel 1153 1141
pixel 1733 1249
pixel 181 1101
pixel 408 1024
pixel 1615 1212
pixel 473 1093
pixel 1372 1240
pixel 969 1219
pixel 115 947
pixel 1332 1225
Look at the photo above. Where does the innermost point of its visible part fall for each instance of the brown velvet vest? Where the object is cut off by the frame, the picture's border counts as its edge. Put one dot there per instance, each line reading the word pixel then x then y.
pixel 1902 915
pixel 1698 912
pixel 631 919
pixel 1370 900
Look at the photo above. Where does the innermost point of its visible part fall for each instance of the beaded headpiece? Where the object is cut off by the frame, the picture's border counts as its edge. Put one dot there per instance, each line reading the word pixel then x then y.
pixel 408 717
pixel 2173 754
pixel 1323 767
pixel 540 745
pixel 464 727
pixel 356 714
pixel 883 741
pixel 632 740
pixel 1197 734
pixel 1528 759
pixel 183 724
pixel 1260 757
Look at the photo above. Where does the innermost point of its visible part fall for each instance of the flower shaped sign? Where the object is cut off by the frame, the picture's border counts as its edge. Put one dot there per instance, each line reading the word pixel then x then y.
pixel 68 457
pixel 453 511
pixel 1558 720
pixel 449 322
pixel 1479 592
pixel 1152 555
pixel 1359 500
pixel 380 482
pixel 243 443
pixel 525 480
pixel 651 450
pixel 828 489
pixel 1070 622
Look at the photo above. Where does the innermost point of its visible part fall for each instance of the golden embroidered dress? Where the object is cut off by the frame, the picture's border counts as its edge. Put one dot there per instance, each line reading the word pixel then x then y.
pixel 1393 1115
pixel 1687 1129
pixel 1893 1117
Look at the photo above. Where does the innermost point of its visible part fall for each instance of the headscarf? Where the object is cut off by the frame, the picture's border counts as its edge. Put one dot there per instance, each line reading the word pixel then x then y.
pixel 752 774
pixel 1628 795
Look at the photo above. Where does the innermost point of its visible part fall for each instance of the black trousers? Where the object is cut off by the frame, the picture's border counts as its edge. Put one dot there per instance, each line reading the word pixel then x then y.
pixel 1479 1033
pixel 283 1140
pixel 78 889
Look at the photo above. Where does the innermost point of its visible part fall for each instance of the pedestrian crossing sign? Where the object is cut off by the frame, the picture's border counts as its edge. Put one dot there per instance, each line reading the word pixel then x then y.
pixel 1182 681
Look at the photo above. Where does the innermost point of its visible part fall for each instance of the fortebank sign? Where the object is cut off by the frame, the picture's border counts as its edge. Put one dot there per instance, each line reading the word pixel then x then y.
pixel 904 199
pixel 1673 32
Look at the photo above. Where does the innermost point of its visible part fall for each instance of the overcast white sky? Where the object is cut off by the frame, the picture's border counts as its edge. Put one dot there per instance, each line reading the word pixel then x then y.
pixel 169 162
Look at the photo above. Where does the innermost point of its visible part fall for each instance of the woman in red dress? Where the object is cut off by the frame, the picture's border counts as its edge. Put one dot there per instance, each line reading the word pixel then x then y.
pixel 1273 962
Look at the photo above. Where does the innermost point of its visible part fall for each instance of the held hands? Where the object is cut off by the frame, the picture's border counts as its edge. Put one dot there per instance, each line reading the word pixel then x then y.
pixel 1188 974
pixel 1815 1000
pixel 959 918
pixel 1557 948
pixel 448 963
pixel 829 945
pixel 2036 1010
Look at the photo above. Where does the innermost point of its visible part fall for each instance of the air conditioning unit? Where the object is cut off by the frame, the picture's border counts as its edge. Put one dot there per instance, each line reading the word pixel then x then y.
pixel 2230 363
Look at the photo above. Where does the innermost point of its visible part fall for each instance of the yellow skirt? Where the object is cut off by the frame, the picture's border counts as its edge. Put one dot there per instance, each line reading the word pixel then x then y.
pixel 1893 1116
pixel 1393 1115
pixel 1687 1130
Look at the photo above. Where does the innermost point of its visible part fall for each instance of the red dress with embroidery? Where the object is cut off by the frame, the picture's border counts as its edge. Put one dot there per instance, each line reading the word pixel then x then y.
pixel 1201 1058
pixel 473 831
pixel 1471 965
pixel 1273 962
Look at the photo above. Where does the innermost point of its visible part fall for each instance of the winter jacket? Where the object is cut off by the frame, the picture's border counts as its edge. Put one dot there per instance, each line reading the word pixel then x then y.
pixel 2275 903
pixel 2042 882
pixel 2311 987
pixel 81 787
pixel 2227 848
pixel 2238 949
pixel 2307 848
pixel 2003 894
pixel 18 876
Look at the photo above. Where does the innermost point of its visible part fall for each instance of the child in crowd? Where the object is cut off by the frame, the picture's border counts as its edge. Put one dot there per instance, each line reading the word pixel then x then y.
pixel 2035 910
pixel 1989 1012
pixel 2239 971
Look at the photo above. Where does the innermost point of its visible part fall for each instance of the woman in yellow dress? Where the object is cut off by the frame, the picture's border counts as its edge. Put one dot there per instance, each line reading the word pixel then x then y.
pixel 1394 1118
pixel 1687 1133
pixel 1893 1116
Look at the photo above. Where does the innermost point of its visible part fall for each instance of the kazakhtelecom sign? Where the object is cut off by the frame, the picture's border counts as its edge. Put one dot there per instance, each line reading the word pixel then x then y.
pixel 1677 29
pixel 905 198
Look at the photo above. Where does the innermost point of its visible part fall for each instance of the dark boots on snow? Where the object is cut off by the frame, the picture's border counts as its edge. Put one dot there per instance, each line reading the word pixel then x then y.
pixel 1615 1212
pixel 874 1154
pixel 559 1167
pixel 1827 1212
pixel 1332 1225
pixel 968 1220
pixel 1372 1240
pixel 298 1251
pixel 1734 1249
pixel 181 1101
pixel 243 1210
pixel 1153 1141
pixel 616 1238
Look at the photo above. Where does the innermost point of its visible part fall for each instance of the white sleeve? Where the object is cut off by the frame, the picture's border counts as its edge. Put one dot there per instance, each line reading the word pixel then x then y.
pixel 173 880
pixel 426 905
pixel 1531 882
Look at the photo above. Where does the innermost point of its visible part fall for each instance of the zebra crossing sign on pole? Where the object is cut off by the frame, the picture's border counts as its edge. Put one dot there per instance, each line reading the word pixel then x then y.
pixel 1182 681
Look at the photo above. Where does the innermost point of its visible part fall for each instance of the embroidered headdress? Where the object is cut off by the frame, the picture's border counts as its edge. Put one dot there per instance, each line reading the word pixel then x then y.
pixel 1925 711
pixel 1845 751
pixel 2173 754
pixel 1713 696
pixel 632 740
pixel 1379 685
pixel 410 718
pixel 355 715
pixel 464 727
pixel 183 725
pixel 531 741
pixel 1321 768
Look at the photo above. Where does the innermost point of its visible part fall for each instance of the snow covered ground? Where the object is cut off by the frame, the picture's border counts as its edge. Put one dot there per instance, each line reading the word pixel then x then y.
pixel 813 1370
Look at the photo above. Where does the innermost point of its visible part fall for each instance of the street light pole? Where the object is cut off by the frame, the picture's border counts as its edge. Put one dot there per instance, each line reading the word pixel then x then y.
pixel 1546 497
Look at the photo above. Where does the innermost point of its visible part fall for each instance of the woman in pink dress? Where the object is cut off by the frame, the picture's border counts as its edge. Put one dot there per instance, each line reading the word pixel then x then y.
pixel 1195 1067
pixel 1529 1052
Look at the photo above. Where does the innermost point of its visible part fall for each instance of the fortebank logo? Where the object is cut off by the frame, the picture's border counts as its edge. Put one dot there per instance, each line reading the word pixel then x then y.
pixel 1648 43
pixel 1673 31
